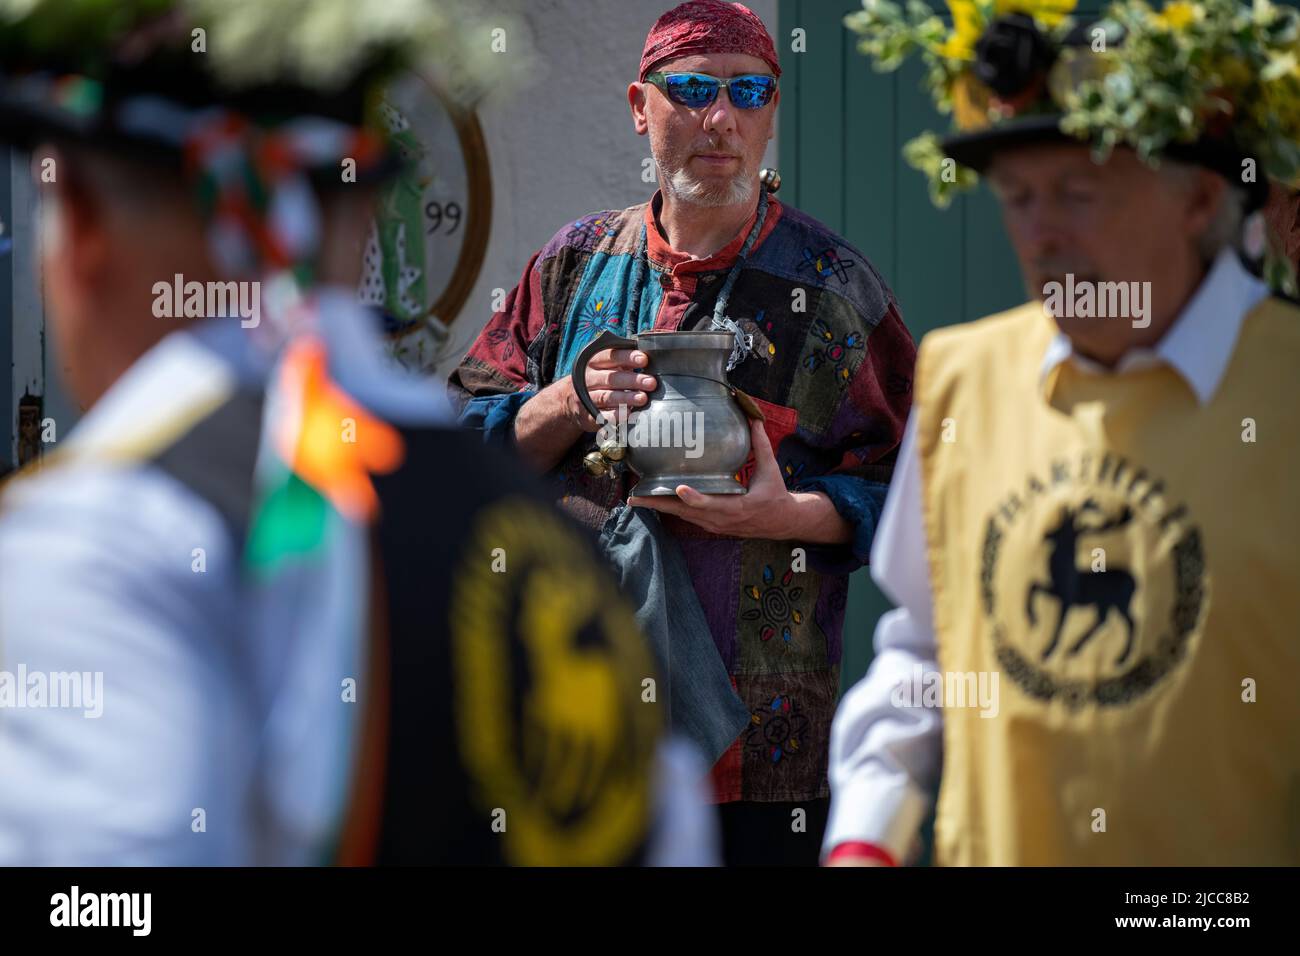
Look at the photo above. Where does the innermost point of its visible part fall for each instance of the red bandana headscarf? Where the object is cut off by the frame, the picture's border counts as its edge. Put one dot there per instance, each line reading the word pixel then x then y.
pixel 707 26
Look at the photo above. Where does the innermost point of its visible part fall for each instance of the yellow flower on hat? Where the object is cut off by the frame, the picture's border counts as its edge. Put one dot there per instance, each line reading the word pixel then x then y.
pixel 968 24
pixel 971 17
pixel 1047 12
pixel 1177 15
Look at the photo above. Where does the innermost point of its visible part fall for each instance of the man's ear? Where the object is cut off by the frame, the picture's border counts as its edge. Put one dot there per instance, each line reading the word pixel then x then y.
pixel 636 99
pixel 73 217
pixel 1203 201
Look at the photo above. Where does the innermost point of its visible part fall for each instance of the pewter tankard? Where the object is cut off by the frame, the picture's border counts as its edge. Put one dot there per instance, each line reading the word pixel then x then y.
pixel 693 430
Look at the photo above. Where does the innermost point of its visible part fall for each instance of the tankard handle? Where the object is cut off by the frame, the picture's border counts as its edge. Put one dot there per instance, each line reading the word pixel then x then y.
pixel 605 340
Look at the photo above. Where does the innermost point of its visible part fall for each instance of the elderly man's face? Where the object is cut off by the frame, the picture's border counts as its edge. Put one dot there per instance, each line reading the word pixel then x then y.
pixel 708 156
pixel 1119 221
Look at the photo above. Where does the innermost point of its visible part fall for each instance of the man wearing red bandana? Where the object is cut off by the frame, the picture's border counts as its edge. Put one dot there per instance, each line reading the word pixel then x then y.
pixel 822 350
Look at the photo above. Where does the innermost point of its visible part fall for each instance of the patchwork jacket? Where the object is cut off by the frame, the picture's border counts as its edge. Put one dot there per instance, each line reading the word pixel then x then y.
pixel 831 369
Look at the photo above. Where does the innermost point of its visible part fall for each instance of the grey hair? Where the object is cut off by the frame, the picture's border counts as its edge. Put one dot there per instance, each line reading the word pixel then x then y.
pixel 1226 227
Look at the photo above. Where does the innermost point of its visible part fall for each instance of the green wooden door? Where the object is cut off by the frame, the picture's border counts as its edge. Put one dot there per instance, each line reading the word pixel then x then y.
pixel 842 128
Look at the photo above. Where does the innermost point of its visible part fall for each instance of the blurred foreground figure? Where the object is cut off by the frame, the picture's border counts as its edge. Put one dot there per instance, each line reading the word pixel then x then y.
pixel 1091 535
pixel 249 612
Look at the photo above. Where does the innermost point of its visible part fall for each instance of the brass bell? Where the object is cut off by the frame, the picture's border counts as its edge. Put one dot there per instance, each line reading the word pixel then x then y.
pixel 612 450
pixel 770 178
pixel 595 463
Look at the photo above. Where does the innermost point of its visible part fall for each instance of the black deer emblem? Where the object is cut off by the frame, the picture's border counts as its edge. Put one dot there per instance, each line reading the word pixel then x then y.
pixel 1101 590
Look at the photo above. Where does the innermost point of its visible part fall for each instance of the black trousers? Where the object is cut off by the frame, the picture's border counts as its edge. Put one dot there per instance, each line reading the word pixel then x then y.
pixel 765 834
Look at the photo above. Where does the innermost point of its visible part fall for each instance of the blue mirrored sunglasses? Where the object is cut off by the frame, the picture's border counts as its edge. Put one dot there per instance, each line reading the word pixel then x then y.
pixel 751 91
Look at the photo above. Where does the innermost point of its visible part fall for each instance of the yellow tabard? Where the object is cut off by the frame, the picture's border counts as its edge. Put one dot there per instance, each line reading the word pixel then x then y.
pixel 1127 561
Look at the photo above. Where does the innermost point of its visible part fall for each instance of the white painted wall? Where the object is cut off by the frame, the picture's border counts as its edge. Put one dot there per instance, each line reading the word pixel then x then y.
pixel 566 147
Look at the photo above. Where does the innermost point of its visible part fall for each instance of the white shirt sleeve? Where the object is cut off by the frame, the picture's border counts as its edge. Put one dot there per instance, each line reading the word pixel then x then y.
pixel 686 821
pixel 219 736
pixel 100 585
pixel 885 758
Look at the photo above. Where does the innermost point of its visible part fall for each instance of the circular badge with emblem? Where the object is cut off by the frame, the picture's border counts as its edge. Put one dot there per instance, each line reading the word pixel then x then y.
pixel 1093 582
pixel 549 666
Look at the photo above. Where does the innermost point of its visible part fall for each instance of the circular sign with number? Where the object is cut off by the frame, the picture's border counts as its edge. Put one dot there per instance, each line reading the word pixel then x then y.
pixel 430 229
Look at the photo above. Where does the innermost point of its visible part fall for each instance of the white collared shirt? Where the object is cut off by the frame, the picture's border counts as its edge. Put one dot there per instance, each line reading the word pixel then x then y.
pixel 885 760
pixel 1199 343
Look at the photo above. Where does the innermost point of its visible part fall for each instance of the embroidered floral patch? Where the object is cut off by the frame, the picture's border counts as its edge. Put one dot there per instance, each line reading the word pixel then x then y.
pixel 777 605
pixel 828 262
pixel 596 317
pixel 832 351
pixel 592 228
pixel 779 729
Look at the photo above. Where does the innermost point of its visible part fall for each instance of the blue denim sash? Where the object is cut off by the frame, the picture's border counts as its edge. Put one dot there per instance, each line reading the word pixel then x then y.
pixel 702 704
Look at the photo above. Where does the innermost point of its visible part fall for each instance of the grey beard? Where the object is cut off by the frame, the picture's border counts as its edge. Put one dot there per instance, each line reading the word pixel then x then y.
pixel 683 187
